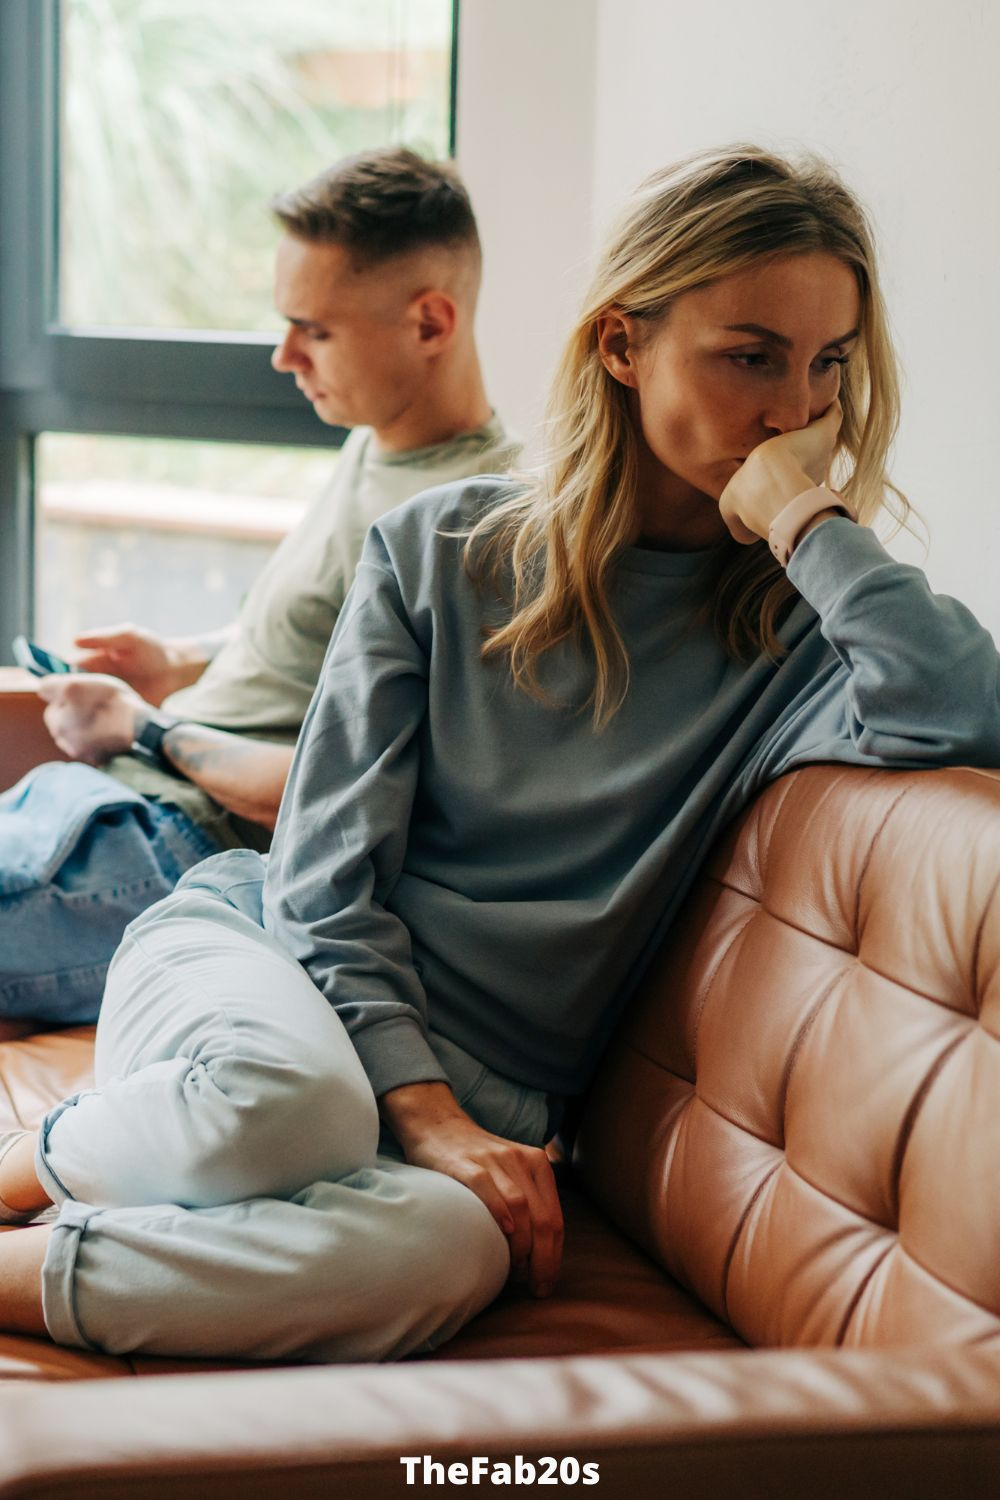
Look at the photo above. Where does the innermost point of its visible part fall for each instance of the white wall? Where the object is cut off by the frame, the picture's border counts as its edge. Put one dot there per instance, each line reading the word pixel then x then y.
pixel 564 106
pixel 526 150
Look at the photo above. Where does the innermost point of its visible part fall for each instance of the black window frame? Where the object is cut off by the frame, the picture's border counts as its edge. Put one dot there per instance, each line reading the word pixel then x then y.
pixel 213 386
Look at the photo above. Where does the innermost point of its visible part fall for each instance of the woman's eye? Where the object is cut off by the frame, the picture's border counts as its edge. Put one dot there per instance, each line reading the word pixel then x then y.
pixel 754 361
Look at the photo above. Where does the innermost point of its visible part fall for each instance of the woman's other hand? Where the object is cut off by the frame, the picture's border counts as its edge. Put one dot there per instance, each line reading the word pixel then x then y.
pixel 776 471
pixel 514 1181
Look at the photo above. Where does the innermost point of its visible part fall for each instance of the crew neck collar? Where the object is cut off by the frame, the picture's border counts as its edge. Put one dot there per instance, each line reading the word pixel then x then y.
pixel 488 431
pixel 665 563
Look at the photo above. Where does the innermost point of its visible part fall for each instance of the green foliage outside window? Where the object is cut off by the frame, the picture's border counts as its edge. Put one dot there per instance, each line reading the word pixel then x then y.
pixel 182 118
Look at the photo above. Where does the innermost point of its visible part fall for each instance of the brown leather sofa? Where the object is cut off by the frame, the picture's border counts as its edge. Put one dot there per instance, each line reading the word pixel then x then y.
pixel 782 1272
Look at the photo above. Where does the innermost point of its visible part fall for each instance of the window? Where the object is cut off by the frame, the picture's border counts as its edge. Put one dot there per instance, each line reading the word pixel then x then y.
pixel 168 533
pixel 140 142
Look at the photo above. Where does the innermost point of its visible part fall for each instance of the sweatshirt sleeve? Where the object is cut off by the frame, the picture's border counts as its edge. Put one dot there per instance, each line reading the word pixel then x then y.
pixel 341 835
pixel 923 676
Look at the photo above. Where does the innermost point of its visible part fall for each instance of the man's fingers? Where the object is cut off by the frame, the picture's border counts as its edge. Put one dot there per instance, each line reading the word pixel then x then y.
pixel 113 635
pixel 100 661
pixel 102 651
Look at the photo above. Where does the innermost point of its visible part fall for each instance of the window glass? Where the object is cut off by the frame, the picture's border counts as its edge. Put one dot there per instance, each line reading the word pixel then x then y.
pixel 167 534
pixel 181 119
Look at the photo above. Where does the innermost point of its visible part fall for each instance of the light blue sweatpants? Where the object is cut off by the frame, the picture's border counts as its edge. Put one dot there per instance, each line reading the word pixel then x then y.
pixel 221 1188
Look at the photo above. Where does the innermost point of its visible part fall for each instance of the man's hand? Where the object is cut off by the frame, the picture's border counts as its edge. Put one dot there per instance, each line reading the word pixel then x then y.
pixel 151 664
pixel 776 471
pixel 92 717
pixel 515 1182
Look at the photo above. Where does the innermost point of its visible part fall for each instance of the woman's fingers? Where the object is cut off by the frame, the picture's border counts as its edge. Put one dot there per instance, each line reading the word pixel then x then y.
pixel 530 1194
pixel 520 1236
pixel 514 1181
pixel 482 1182
pixel 547 1222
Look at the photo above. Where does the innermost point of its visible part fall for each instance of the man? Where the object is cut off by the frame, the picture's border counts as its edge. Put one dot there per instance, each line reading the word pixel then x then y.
pixel 377 274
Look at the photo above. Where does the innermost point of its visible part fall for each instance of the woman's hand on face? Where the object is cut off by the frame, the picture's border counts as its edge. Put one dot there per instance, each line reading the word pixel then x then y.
pixel 776 471
pixel 514 1181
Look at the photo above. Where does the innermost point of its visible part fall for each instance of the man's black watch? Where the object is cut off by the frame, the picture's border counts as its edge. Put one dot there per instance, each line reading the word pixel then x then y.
pixel 148 742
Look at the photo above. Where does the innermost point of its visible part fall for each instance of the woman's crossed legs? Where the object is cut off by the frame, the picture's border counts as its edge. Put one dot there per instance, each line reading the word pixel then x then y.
pixel 220 1189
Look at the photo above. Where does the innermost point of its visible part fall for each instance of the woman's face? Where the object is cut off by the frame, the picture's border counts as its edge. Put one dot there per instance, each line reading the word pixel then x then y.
pixel 752 355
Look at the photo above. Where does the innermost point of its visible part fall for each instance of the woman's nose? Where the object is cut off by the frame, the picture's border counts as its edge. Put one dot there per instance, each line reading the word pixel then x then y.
pixel 791 407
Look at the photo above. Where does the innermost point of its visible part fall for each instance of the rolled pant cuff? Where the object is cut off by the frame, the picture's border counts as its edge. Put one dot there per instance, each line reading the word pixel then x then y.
pixel 59 1276
pixel 56 1189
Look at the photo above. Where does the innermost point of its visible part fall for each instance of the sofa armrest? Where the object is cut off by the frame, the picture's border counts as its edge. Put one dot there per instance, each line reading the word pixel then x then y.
pixel 24 739
pixel 702 1426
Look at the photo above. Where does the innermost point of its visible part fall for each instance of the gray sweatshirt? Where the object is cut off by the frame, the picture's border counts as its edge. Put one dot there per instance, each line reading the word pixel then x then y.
pixel 449 850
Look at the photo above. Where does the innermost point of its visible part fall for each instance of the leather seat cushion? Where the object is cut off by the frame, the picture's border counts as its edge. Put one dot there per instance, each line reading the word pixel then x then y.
pixel 611 1297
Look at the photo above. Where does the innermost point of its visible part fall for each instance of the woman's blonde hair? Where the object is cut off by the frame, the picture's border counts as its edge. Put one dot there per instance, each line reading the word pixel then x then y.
pixel 548 550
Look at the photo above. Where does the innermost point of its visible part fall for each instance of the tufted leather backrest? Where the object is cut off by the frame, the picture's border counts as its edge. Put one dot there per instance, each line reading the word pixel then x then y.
pixel 800 1117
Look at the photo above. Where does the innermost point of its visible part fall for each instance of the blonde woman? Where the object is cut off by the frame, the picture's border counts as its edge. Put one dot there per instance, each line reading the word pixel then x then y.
pixel 539 706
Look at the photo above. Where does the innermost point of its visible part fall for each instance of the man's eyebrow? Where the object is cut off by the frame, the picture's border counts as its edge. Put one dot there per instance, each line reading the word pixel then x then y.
pixel 779 338
pixel 303 322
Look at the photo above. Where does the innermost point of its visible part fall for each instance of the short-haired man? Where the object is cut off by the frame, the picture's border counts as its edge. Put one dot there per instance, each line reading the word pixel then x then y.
pixel 377 274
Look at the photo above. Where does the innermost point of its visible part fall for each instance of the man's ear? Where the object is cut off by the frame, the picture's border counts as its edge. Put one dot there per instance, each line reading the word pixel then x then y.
pixel 434 316
pixel 616 347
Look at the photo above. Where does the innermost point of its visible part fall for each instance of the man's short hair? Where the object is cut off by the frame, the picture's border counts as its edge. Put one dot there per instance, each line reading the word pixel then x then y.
pixel 380 204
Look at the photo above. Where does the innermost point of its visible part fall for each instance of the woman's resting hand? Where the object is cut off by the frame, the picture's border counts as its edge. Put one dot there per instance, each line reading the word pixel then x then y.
pixel 514 1181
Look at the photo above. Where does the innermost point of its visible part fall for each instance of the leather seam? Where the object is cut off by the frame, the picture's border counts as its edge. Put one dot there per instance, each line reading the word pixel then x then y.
pixel 707 989
pixel 985 772
pixel 736 1124
pixel 796 1048
pixel 867 862
pixel 737 1233
pixel 793 926
pixel 654 1062
pixel 954 1290
pixel 901 984
pixel 910 1119
pixel 863 1286
pixel 977 944
pixel 848 1208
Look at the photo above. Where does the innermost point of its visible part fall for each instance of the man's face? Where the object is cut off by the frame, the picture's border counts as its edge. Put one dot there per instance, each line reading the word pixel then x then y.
pixel 351 345
pixel 706 393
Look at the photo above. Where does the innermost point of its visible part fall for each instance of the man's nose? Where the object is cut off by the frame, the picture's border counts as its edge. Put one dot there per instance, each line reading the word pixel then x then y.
pixel 287 356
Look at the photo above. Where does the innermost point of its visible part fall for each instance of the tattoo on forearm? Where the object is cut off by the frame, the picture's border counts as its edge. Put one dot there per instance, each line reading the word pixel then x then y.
pixel 191 747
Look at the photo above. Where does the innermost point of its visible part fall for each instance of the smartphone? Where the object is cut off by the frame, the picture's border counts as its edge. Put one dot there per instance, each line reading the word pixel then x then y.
pixel 36 659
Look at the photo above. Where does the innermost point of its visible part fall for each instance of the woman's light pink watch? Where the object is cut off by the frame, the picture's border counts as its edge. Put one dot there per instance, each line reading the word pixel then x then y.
pixel 786 528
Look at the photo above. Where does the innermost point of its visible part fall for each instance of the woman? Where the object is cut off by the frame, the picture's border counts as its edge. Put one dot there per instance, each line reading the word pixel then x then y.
pixel 537 710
